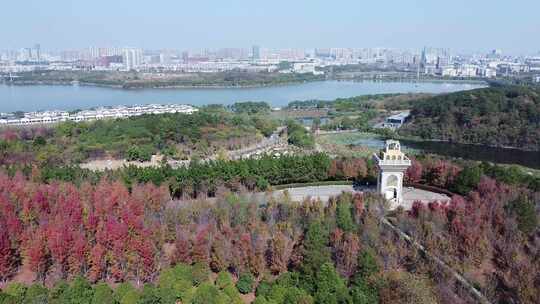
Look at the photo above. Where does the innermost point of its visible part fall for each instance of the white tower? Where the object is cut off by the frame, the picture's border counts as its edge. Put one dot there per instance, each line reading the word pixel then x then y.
pixel 392 164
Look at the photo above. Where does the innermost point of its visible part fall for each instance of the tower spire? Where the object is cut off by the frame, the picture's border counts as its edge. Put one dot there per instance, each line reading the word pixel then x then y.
pixel 392 164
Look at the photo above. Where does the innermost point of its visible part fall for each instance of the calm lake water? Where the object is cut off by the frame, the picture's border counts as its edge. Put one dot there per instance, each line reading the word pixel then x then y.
pixel 33 98
pixel 529 159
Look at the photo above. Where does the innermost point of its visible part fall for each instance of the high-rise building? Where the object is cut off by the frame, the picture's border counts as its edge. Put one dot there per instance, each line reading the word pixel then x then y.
pixel 256 52
pixel 37 52
pixel 185 56
pixel 132 58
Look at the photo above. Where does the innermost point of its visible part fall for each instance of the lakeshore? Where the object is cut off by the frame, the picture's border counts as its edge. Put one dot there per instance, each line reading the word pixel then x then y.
pixel 73 97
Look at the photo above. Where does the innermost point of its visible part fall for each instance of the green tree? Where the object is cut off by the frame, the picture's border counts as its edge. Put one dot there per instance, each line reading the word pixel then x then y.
pixel 367 263
pixel 526 214
pixel 200 273
pixel 122 290
pixel 131 297
pixel 364 287
pixel 404 287
pixel 57 295
pixel 7 299
pixel 17 291
pixel 103 294
pixel 233 294
pixel 316 253
pixel 36 294
pixel 245 283
pixel 344 217
pixel 330 288
pixel 149 295
pixel 224 279
pixel 263 289
pixel 207 293
pixel 467 180
pixel 79 292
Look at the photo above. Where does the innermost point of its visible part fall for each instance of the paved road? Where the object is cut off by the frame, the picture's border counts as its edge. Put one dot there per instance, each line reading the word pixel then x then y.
pixel 264 146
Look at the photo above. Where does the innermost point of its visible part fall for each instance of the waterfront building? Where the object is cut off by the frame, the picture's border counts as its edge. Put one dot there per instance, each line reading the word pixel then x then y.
pixel 397 120
pixel 32 118
pixel 392 165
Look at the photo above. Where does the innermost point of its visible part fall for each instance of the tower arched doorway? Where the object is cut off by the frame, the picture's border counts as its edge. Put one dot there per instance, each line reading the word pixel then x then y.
pixel 391 186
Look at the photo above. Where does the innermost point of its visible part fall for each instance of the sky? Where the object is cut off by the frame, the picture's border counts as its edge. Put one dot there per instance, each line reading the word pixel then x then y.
pixel 464 25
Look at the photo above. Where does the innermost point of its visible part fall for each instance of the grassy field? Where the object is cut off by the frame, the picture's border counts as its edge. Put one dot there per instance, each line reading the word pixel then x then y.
pixel 344 144
pixel 354 144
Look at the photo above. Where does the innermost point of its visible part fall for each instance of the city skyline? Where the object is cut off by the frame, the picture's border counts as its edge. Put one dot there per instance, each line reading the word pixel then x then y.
pixel 463 26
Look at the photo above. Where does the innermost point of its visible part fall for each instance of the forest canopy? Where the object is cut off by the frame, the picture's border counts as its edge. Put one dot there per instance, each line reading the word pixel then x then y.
pixel 503 116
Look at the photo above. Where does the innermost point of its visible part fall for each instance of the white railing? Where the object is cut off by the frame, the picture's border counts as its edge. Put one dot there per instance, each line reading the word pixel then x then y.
pixel 405 161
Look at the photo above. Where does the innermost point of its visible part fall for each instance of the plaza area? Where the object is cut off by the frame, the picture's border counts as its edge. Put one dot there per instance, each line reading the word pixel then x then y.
pixel 324 193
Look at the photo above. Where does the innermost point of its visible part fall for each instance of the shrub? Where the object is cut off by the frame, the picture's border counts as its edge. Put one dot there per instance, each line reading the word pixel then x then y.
pixel 245 283
pixel 141 154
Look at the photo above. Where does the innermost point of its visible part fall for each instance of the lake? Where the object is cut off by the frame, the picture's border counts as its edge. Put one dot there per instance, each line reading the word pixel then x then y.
pixel 529 159
pixel 44 97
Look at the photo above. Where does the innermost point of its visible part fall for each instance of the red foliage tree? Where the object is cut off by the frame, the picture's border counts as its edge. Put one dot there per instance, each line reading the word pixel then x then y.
pixel 146 252
pixel 36 253
pixel 97 263
pixel 280 251
pixel 60 244
pixel 414 172
pixel 7 253
pixel 183 247
pixel 201 245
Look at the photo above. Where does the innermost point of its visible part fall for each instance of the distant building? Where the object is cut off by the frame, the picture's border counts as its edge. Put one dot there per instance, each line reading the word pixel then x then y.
pixel 133 58
pixel 256 52
pixel 47 117
pixel 185 57
pixel 37 52
pixel 397 120
pixel 487 72
pixel 537 78
pixel 533 62
pixel 305 68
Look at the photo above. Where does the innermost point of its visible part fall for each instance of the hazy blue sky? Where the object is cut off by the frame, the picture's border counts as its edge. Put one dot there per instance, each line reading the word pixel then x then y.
pixel 513 26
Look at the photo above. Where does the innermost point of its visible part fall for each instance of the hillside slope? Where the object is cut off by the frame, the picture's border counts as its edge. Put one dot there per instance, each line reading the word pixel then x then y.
pixel 497 116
